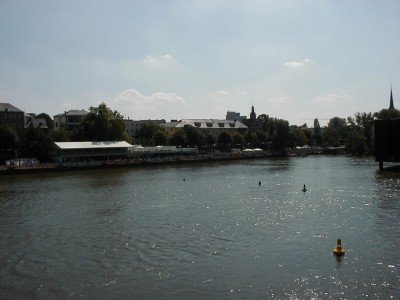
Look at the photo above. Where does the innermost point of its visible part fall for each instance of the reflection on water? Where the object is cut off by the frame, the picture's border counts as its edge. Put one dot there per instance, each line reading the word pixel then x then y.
pixel 146 233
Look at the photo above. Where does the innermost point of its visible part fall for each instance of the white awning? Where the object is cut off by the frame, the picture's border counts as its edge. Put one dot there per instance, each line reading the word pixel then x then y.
pixel 92 145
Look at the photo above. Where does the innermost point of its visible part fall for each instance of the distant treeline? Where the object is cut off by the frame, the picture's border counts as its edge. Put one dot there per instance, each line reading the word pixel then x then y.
pixel 356 133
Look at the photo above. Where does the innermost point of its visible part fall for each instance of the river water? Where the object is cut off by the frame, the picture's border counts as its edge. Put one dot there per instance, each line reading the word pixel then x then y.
pixel 203 231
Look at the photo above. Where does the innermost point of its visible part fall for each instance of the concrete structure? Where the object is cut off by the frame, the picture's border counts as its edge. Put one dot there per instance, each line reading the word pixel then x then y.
pixel 13 117
pixel 132 126
pixel 213 127
pixel 69 119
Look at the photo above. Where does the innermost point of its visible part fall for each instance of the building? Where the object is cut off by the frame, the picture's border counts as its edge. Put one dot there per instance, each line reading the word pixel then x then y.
pixel 132 126
pixel 213 127
pixel 231 115
pixel 91 151
pixel 387 138
pixel 391 104
pixel 69 119
pixel 253 123
pixel 13 117
pixel 31 120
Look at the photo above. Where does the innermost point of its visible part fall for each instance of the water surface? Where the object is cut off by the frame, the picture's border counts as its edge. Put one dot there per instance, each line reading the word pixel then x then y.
pixel 202 231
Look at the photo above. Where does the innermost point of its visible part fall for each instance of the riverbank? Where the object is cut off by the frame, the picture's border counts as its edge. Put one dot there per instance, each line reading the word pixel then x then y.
pixel 130 163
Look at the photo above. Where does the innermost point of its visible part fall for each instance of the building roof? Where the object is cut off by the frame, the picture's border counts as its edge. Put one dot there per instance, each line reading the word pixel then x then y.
pixel 92 145
pixel 9 107
pixel 207 124
pixel 74 112
pixel 36 123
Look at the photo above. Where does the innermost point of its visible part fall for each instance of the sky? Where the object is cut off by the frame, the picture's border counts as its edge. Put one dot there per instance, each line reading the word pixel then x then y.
pixel 293 60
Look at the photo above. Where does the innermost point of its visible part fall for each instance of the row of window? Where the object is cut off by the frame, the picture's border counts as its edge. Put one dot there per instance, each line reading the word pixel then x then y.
pixel 11 116
pixel 221 125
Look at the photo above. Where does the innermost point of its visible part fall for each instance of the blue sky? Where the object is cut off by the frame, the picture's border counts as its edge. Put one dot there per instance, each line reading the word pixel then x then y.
pixel 296 60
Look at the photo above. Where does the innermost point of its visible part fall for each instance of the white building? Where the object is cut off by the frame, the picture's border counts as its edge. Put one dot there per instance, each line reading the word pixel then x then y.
pixel 213 127
pixel 69 119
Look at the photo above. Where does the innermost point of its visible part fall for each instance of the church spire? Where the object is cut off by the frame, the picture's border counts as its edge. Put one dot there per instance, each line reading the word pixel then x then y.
pixel 391 106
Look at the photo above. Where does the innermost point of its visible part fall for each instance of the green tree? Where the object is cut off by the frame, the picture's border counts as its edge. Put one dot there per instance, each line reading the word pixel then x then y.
pixel 209 140
pixel 317 136
pixel 103 124
pixel 146 132
pixel 37 143
pixel 178 138
pixel 159 137
pixel 224 139
pixel 364 124
pixel 8 142
pixel 356 143
pixel 262 138
pixel 280 136
pixel 237 139
pixel 386 114
pixel 194 138
pixel 264 121
pixel 60 135
pixel 297 136
pixel 8 137
pixel 336 132
pixel 250 139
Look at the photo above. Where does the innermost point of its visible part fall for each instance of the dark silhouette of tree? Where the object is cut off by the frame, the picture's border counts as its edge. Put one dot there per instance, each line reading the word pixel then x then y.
pixel 60 135
pixel 159 137
pixel 362 123
pixel 8 137
pixel 224 139
pixel 194 138
pixel 103 124
pixel 37 143
pixel 280 136
pixel 250 139
pixel 386 114
pixel 237 139
pixel 209 140
pixel 146 132
pixel 8 142
pixel 336 132
pixel 178 138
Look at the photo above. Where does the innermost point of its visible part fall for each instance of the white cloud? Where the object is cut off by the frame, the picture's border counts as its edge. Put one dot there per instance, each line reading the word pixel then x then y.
pixel 156 60
pixel 132 103
pixel 300 64
pixel 166 98
pixel 331 98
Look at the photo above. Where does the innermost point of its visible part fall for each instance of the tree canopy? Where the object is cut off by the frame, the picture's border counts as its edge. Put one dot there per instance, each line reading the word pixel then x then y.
pixel 103 124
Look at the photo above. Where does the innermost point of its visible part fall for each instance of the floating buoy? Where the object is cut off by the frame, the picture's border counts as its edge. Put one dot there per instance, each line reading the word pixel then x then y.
pixel 339 250
pixel 304 189
pixel 184 179
pixel 259 183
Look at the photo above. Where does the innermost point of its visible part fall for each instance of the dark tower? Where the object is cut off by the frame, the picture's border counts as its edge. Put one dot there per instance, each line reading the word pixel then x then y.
pixel 252 114
pixel 391 106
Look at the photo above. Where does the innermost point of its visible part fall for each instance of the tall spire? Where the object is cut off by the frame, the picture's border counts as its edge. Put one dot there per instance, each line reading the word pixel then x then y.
pixel 391 106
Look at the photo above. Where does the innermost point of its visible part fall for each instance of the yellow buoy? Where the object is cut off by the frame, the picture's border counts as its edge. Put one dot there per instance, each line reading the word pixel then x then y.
pixel 339 250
